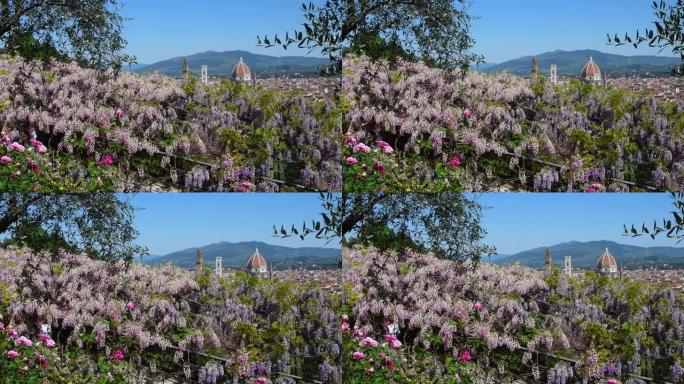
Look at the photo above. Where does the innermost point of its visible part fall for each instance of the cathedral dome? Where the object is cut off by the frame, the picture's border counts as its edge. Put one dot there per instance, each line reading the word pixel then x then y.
pixel 606 262
pixel 591 71
pixel 241 71
pixel 256 262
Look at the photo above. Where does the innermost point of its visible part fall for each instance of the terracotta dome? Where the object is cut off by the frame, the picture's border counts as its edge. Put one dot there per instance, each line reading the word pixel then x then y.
pixel 241 70
pixel 607 260
pixel 590 70
pixel 256 261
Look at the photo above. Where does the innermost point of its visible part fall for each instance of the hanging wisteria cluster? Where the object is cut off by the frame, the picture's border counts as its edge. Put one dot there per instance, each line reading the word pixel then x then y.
pixel 509 132
pixel 417 317
pixel 174 134
pixel 164 322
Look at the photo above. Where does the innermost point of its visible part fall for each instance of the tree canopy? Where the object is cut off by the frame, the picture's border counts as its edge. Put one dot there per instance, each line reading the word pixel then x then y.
pixel 668 31
pixel 99 224
pixel 89 32
pixel 447 224
pixel 436 31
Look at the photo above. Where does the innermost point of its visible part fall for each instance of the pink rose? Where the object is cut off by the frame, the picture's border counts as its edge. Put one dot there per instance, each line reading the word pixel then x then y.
pixel 612 381
pixel 345 327
pixel 351 140
pixel 478 306
pixel 344 318
pixel 244 187
pixel 361 147
pixel 13 354
pixel 467 113
pixel 119 112
pixel 465 356
pixel 358 355
pixel 12 333
pixel 351 160
pixel 5 159
pixel 455 162
pixel 385 147
pixel 596 187
pixel 50 343
pixel 2 326
pixel 118 355
pixel 394 342
pixel 358 334
pixel 16 147
pixel 369 341
pixel 107 160
pixel 24 341
pixel 38 146
pixel 260 380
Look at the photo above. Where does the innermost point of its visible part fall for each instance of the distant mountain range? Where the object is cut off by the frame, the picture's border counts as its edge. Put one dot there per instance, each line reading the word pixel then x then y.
pixel 585 254
pixel 235 255
pixel 222 63
pixel 570 63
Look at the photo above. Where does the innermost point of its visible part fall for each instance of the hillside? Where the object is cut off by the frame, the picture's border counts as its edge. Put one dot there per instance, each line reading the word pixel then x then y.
pixel 570 63
pixel 235 255
pixel 585 254
pixel 222 63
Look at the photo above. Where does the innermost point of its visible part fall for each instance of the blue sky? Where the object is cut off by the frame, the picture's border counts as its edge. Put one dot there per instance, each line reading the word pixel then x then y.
pixel 520 221
pixel 507 29
pixel 170 222
pixel 162 29
pixel 515 222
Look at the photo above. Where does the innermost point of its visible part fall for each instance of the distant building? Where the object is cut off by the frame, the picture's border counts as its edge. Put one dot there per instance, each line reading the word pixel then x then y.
pixel 219 266
pixel 256 265
pixel 554 74
pixel 548 261
pixel 591 73
pixel 205 75
pixel 568 265
pixel 241 73
pixel 607 265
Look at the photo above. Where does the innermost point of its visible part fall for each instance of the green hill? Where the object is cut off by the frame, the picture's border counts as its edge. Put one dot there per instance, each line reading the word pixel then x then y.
pixel 222 63
pixel 235 255
pixel 570 63
pixel 585 254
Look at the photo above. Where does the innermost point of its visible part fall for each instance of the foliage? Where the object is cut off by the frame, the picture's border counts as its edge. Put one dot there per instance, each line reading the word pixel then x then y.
pixel 99 223
pixel 437 31
pixel 447 224
pixel 87 32
pixel 154 324
pixel 672 228
pixel 668 32
pixel 128 132
pixel 501 132
pixel 415 318
pixel 28 167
